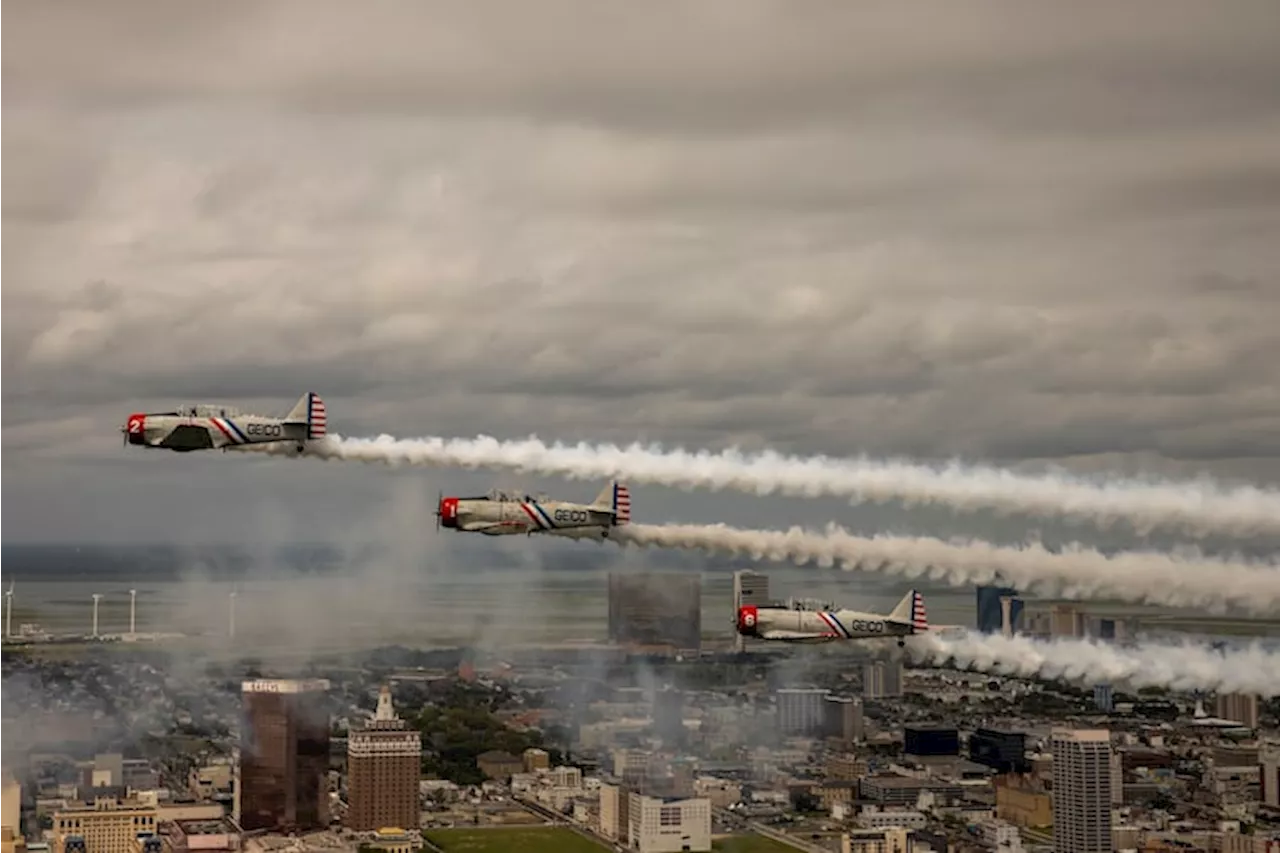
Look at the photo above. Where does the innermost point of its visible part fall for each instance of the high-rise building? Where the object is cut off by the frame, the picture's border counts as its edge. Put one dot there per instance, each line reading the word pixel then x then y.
pixel 1241 708
pixel 1004 751
pixel 1269 778
pixel 1104 698
pixel 748 588
pixel 284 755
pixel 930 740
pixel 1082 782
pixel 384 763
pixel 844 719
pixel 801 712
pixel 882 679
pixel 615 822
pixel 990 616
pixel 656 609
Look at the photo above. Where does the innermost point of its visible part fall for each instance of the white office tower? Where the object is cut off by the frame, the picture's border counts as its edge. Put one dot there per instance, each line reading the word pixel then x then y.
pixel 1081 790
pixel 1269 778
pixel 748 588
pixel 668 824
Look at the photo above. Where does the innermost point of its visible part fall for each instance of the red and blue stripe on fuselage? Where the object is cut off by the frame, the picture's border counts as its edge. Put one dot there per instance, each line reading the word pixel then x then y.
pixel 541 520
pixel 228 428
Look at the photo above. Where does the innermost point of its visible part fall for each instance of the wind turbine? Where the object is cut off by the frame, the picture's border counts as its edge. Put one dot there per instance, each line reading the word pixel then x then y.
pixel 231 613
pixel 8 611
pixel 133 601
pixel 96 597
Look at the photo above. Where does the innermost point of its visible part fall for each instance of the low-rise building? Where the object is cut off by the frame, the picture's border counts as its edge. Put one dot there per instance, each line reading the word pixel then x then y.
pixel 107 825
pixel 659 825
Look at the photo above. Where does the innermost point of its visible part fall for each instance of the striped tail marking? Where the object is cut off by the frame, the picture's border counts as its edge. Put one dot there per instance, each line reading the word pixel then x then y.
pixel 621 504
pixel 919 621
pixel 317 418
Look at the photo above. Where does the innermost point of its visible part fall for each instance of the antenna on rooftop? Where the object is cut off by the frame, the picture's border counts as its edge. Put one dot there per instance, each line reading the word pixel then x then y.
pixel 133 602
pixel 8 610
pixel 97 596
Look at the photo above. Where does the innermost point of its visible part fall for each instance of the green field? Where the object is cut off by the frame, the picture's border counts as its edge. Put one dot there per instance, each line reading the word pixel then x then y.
pixel 750 844
pixel 540 839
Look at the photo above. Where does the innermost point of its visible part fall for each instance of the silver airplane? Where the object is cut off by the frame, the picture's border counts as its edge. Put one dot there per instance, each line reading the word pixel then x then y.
pixel 217 427
pixel 501 514
pixel 823 626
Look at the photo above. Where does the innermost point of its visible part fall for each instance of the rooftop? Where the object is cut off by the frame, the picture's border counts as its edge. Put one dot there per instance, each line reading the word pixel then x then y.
pixel 284 685
pixel 217 826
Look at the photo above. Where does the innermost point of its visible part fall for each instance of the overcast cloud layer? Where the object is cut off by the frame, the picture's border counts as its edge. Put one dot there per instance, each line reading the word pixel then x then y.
pixel 1004 231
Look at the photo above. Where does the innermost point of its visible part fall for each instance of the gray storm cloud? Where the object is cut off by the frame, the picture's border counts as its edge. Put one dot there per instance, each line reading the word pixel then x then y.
pixel 1005 235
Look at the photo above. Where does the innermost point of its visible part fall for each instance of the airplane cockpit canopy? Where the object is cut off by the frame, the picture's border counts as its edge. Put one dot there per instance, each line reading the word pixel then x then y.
pixel 513 496
pixel 209 410
pixel 809 604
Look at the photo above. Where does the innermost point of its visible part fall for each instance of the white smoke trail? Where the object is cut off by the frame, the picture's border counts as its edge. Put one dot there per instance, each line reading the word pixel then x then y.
pixel 1077 572
pixel 1199 507
pixel 1181 666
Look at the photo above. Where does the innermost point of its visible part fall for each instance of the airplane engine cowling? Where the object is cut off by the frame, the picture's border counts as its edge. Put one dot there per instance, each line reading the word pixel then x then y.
pixel 449 513
pixel 136 428
pixel 748 619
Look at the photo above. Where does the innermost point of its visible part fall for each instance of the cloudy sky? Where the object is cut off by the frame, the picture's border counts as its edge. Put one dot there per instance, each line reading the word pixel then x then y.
pixel 1001 231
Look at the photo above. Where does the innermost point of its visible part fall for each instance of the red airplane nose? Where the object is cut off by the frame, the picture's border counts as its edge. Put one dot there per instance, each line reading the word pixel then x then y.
pixel 134 428
pixel 449 512
pixel 748 618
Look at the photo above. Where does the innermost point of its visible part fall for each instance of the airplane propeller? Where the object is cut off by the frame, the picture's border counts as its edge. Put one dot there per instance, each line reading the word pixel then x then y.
pixel 439 501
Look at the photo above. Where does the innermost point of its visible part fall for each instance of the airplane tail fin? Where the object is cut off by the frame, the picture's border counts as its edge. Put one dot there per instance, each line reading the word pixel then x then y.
pixel 616 497
pixel 910 611
pixel 309 410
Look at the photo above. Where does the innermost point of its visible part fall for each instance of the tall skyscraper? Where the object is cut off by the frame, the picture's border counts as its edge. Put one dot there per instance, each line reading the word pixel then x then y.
pixel 748 588
pixel 656 609
pixel 384 763
pixel 284 755
pixel 1239 707
pixel 843 719
pixel 1081 790
pixel 882 679
pixel 990 616
pixel 1269 778
pixel 801 712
